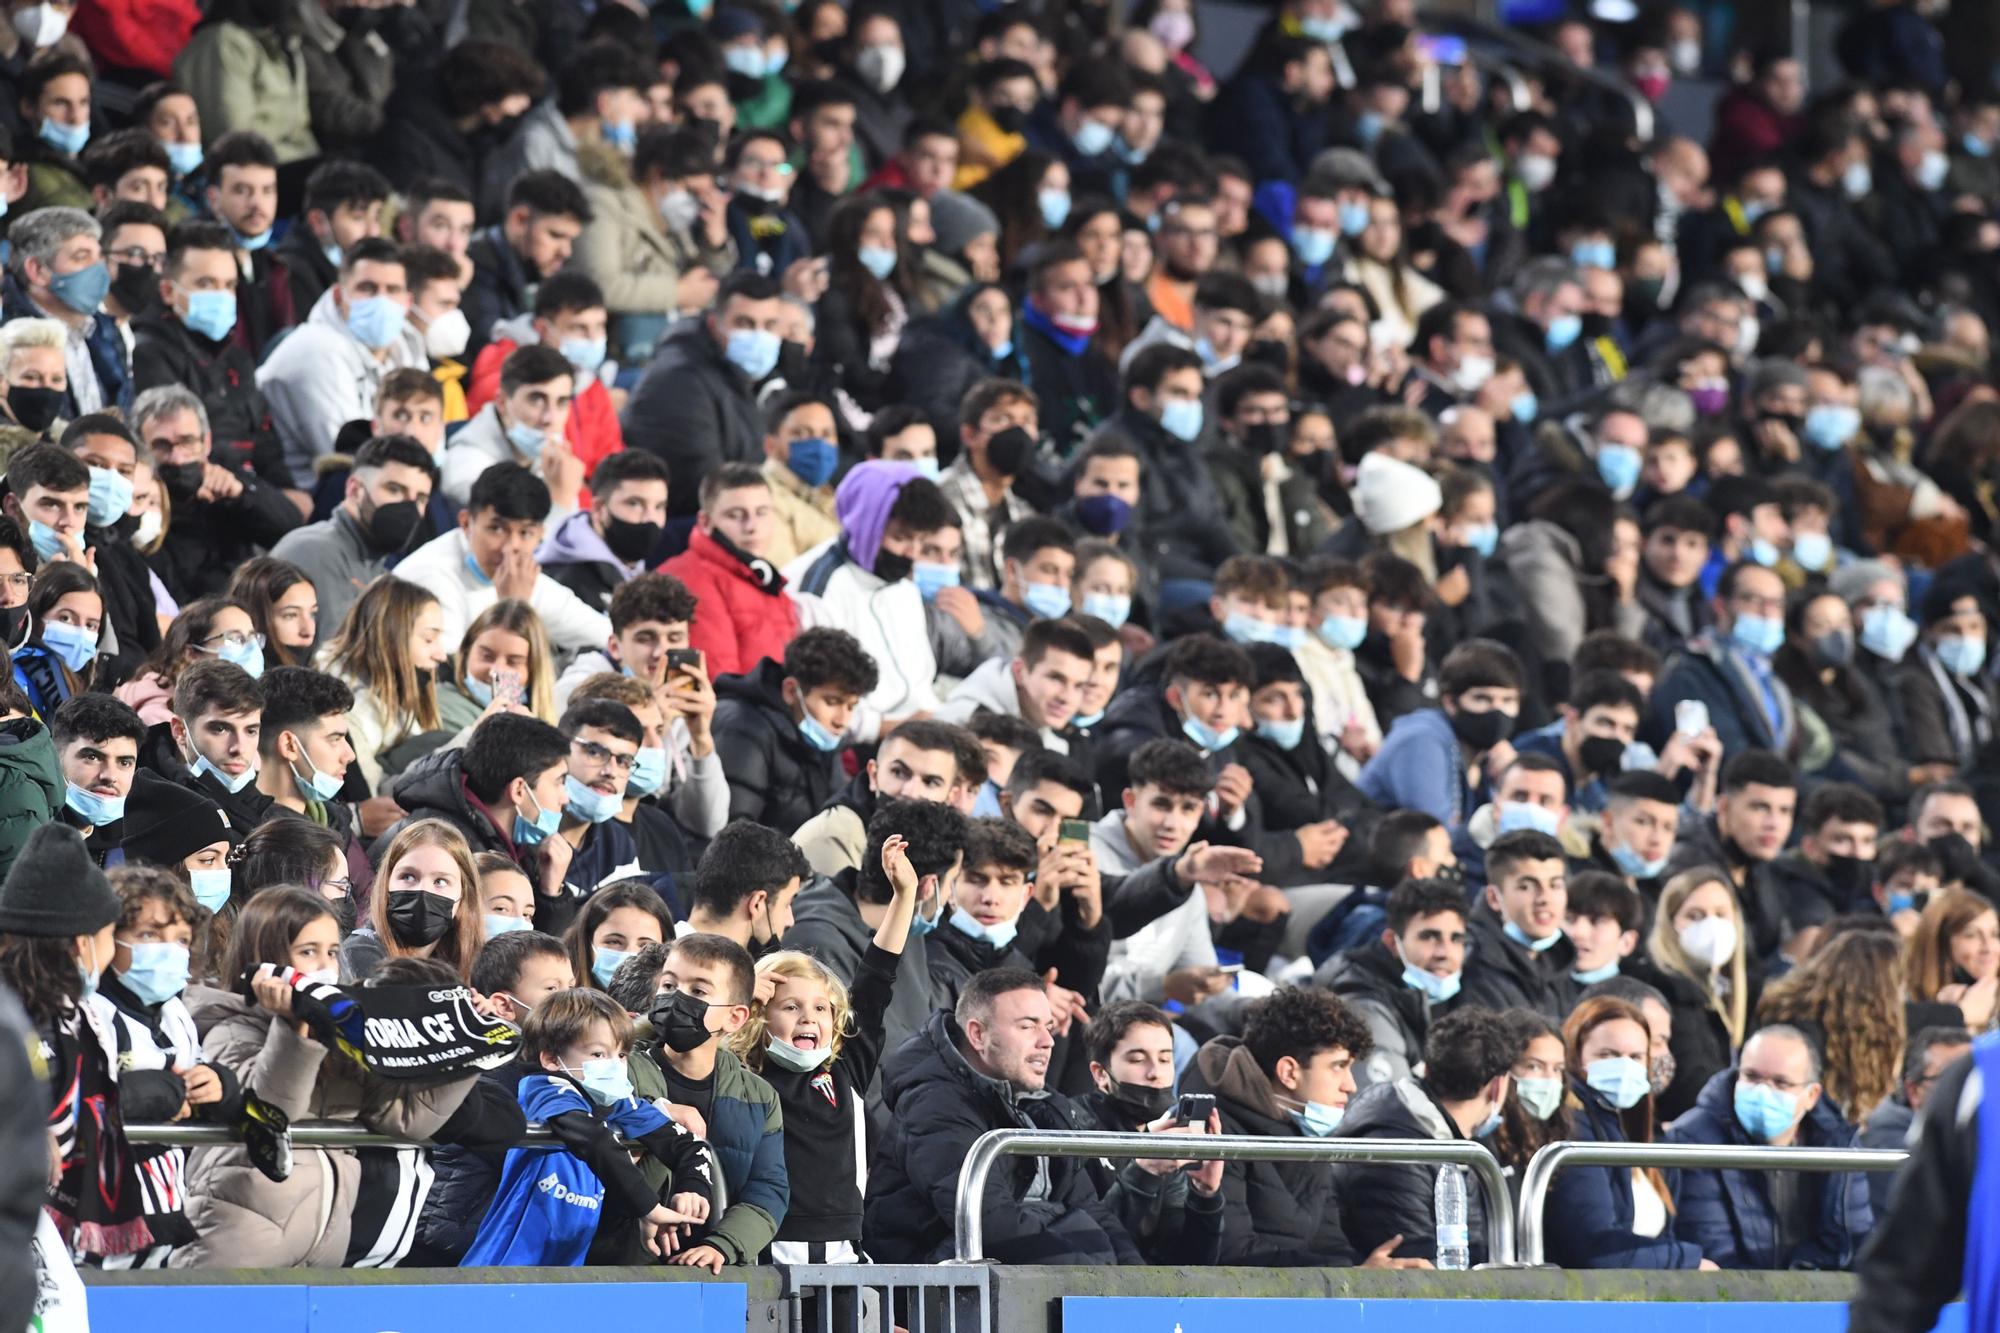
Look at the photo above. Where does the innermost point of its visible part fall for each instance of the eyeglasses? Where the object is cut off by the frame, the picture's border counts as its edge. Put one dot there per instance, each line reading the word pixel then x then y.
pixel 597 754
pixel 17 582
pixel 336 888
pixel 235 638
pixel 1783 1085
pixel 138 256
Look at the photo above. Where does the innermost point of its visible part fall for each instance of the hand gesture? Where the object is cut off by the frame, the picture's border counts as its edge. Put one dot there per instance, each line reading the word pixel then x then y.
pixel 1191 985
pixel 701 1256
pixel 514 578
pixel 1454 587
pixel 690 1205
pixel 218 483
pixel 1975 1001
pixel 556 856
pixel 1085 886
pixel 1776 440
pixel 806 279
pixel 203 1085
pixel 1220 866
pixel 896 865
pixel 1320 843
pixel 1206 1177
pixel 1068 1005
pixel 963 607
pixel 562 470
pixel 272 994
pixel 1379 1257
pixel 72 549
pixel 1232 789
pixel 1355 741
pixel 686 1117
pixel 1406 646
pixel 698 286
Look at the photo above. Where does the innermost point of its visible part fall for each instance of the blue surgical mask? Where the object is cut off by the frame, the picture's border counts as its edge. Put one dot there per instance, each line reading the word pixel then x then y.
pixel 1758 634
pixel 1436 989
pixel 1110 608
pixel 649 771
pixel 1518 815
pixel 745 60
pixel 1960 655
pixel 931 579
pixel 1521 937
pixel 1343 632
pixel 110 496
pixel 1317 1120
pixel 528 832
pixel 1207 737
pixel 1181 418
pixel 589 804
pixel 1488 1125
pixel 1049 601
pixel 526 439
pixel 321 786
pixel 606 1081
pixel 1242 627
pixel 1620 1080
pixel 921 925
pixel 1594 254
pixel 76 648
pixel 1539 1096
pixel 1590 976
pixel 1284 735
pixel 879 260
pixel 1619 465
pixel 1765 552
pixel 1354 215
pixel 1525 407
pixel 159 971
pixel 1563 330
pixel 1000 934
pixel 230 784
pixel 753 351
pixel 1085 721
pixel 1830 425
pixel 812 461
pixel 184 158
pixel 620 134
pixel 605 965
pixel 375 321
pixel 1484 538
pixel 67 139
pixel 211 314
pixel 1637 866
pixel 210 887
pixel 586 354
pixel 477 690
pixel 248 654
pixel 1763 1111
pixel 505 925
pixel 818 736
pixel 1887 632
pixel 927 466
pixel 1812 550
pixel 796 1060
pixel 1975 146
pixel 45 539
pixel 252 243
pixel 1093 137
pixel 1055 207
pixel 95 810
pixel 1902 900
pixel 1313 245
pixel 333 254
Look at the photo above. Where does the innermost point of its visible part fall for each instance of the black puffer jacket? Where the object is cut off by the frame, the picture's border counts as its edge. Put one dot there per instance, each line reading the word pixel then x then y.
pixel 434 788
pixel 776 777
pixel 1037 1210
pixel 1170 1222
pixel 122 578
pixel 1700 1044
pixel 1370 979
pixel 1380 1200
pixel 694 409
pixel 225 378
pixel 1274 1214
pixel 1500 974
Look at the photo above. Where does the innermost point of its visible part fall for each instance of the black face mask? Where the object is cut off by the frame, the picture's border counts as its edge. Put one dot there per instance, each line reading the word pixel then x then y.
pixel 1268 352
pixel 892 568
pixel 343 914
pixel 1266 437
pixel 631 542
pixel 1958 856
pixel 391 526
pixel 13 619
pixel 36 409
pixel 182 480
pixel 1009 119
pixel 1851 878
pixel 136 287
pixel 1789 420
pixel 1481 731
pixel 1008 451
pixel 1138 1103
pixel 681 1020
pixel 420 918
pixel 1601 754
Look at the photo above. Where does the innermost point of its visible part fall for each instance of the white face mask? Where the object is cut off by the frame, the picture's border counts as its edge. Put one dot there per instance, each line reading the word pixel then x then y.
pixel 679 209
pixel 447 335
pixel 41 25
pixel 149 527
pixel 1710 941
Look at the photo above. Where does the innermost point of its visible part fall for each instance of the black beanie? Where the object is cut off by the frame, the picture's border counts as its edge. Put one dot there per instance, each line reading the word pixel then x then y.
pixel 54 889
pixel 166 823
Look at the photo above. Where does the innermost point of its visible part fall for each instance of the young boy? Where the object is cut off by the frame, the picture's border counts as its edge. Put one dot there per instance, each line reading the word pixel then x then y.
pixel 778 728
pixel 801 454
pixel 303 755
pixel 979 933
pixel 1172 957
pixel 551 1200
pixel 216 729
pixel 595 551
pixel 569 317
pixel 97 742
pixel 1604 918
pixel 1252 601
pixel 745 886
pixel 1424 763
pixel 661 846
pixel 743 615
pixel 701 994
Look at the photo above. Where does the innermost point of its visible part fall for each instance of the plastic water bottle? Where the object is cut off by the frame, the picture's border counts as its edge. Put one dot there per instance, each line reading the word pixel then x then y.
pixel 1454 1249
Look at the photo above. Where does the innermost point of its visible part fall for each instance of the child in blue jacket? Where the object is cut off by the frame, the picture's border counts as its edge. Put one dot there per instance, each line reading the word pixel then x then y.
pixel 552 1200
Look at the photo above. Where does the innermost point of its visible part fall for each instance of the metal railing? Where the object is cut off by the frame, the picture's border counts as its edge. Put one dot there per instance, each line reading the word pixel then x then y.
pixel 880 1298
pixel 1544 1165
pixel 1539 55
pixel 992 1146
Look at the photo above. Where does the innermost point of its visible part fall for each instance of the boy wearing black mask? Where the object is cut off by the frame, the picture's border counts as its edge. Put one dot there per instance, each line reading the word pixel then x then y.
pixel 594 551
pixel 387 491
pixel 1479 688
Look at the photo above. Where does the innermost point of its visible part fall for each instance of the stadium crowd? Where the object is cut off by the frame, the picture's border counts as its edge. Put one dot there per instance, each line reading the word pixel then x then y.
pixel 861 575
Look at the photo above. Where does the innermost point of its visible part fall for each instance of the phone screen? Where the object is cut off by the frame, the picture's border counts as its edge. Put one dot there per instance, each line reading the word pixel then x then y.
pixel 508 687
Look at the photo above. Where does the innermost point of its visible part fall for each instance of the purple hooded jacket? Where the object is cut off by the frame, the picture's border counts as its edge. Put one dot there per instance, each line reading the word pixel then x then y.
pixel 862 504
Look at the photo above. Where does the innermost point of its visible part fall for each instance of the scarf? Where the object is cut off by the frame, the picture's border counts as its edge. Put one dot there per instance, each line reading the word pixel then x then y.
pixel 409 1034
pixel 97 1206
pixel 1072 344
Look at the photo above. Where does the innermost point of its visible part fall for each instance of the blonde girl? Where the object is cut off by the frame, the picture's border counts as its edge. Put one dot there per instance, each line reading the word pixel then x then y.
pixel 1697 949
pixel 386 648
pixel 507 638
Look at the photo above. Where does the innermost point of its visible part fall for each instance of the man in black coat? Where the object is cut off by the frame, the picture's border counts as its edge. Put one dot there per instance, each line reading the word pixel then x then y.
pixel 546 212
pixel 968 1072
pixel 102 443
pixel 1075 381
pixel 1467 1057
pixel 1406 980
pixel 778 728
pixel 996 923
pixel 1521 958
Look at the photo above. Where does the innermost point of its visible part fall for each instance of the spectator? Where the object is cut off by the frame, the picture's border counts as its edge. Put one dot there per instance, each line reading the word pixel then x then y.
pixel 385 651
pixel 1954 956
pixel 1850 989
pixel 778 727
pixel 1930 1052
pixel 387 490
pixel 1521 956
pixel 56 271
pixel 1696 954
pixel 545 212
pixel 568 316
pixel 1479 686
pixel 1752 822
pixel 727 567
pixel 429 907
pixel 918 761
pixel 592 552
pixel 1410 977
pixel 342 207
pixel 525 426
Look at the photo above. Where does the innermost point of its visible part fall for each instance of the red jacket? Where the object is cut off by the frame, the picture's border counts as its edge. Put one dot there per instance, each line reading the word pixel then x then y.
pixel 136 34
pixel 592 433
pixel 736 623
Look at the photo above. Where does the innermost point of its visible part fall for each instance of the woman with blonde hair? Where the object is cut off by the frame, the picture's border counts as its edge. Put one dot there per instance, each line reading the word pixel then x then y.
pixel 1697 962
pixel 504 642
pixel 386 648
pixel 1954 956
pixel 1848 996
pixel 426 904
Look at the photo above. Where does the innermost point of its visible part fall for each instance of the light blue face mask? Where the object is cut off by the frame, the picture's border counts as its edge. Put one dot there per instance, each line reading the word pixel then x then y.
pixel 230 784
pixel 605 1081
pixel 1765 552
pixel 210 887
pixel 1622 1081
pixel 248 654
pixel 1522 938
pixel 1962 656
pixel 1635 865
pixel 76 648
pixel 1049 601
pixel 1242 627
pixel 986 805
pixel 1343 632
pixel 1085 721
pixel 1284 735
pixel 1594 254
pixel 375 321
pixel 932 579
pixel 527 440
pixel 1539 1096
pixel 1000 934
pixel 1055 207
pixel 817 735
pixel 45 539
pixel 1830 425
pixel 1525 407
pixel 159 971
pixel 745 60
pixel 1484 538
pixel 753 351
pixel 1619 466
pixel 1436 989
pixel 184 158
pixel 1318 1120
pixel 796 1060
pixel 477 690
pixel 649 771
pixel 1313 245
pixel 211 314
pixel 1093 137
pixel 879 260
pixel 1181 418
pixel 252 243
pixel 1563 330
pixel 1354 214
pixel 1758 634
pixel 1812 551
pixel 586 354
pixel 321 786
pixel 1207 737
pixel 1887 632
pixel 93 809
pixel 1590 976
pixel 505 925
pixel 110 497
pixel 1110 608
pixel 1517 815
pixel 589 804
pixel 927 466
pixel 528 832
pixel 1763 1111
pixel 605 964
pixel 68 139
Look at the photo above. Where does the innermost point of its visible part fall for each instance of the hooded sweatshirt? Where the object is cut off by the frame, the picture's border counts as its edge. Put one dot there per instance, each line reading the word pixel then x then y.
pixel 1140 962
pixel 321 377
pixel 575 555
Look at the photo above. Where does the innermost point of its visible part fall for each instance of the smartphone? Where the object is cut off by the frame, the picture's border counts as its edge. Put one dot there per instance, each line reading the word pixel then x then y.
pixel 508 687
pixel 683 659
pixel 1690 717
pixel 1074 830
pixel 1194 1108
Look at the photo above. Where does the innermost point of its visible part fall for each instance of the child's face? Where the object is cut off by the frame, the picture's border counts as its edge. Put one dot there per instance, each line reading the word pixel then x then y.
pixel 316 947
pixel 596 1043
pixel 709 983
pixel 800 1012
pixel 156 923
pixel 1669 467
pixel 1598 940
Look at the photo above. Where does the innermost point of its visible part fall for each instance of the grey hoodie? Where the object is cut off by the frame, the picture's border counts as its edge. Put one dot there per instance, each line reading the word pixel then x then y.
pixel 575 541
pixel 992 687
pixel 1140 961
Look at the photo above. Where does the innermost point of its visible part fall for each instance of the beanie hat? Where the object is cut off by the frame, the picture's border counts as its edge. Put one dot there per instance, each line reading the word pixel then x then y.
pixel 166 823
pixel 959 219
pixel 54 889
pixel 1849 582
pixel 1390 495
pixel 863 501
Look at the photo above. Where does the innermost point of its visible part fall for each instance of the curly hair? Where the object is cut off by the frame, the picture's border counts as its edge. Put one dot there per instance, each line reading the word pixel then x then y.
pixel 1849 993
pixel 749 1041
pixel 1302 1021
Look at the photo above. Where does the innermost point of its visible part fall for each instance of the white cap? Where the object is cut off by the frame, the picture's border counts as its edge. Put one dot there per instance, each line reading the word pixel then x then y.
pixel 1390 495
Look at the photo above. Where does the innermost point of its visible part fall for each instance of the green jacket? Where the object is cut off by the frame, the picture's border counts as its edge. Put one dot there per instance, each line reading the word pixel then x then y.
pixel 746 1127
pixel 31 785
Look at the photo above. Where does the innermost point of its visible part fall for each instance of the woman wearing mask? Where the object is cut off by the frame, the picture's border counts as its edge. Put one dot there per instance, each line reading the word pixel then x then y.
pixel 1848 997
pixel 942 356
pixel 425 905
pixel 1954 957
pixel 1696 961
pixel 1614 1216
pixel 295 851
pixel 179 829
pixel 240 1215
pixel 218 627
pixel 386 649
pixel 504 643
pixel 616 922
pixel 860 320
pixel 1031 197
pixel 1948 702
pixel 66 619
pixel 1105 582
pixel 1817 662
pixel 283 606
pixel 1535 1114
pixel 1380 265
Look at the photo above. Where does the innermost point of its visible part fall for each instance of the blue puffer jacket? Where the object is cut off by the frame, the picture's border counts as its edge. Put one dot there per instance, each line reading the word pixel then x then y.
pixel 1590 1207
pixel 1729 1213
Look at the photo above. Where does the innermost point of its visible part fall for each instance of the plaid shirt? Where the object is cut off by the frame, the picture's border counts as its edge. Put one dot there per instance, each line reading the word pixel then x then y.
pixel 983 527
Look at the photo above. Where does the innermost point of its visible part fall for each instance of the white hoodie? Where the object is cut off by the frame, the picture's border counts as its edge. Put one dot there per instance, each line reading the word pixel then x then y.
pixel 320 378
